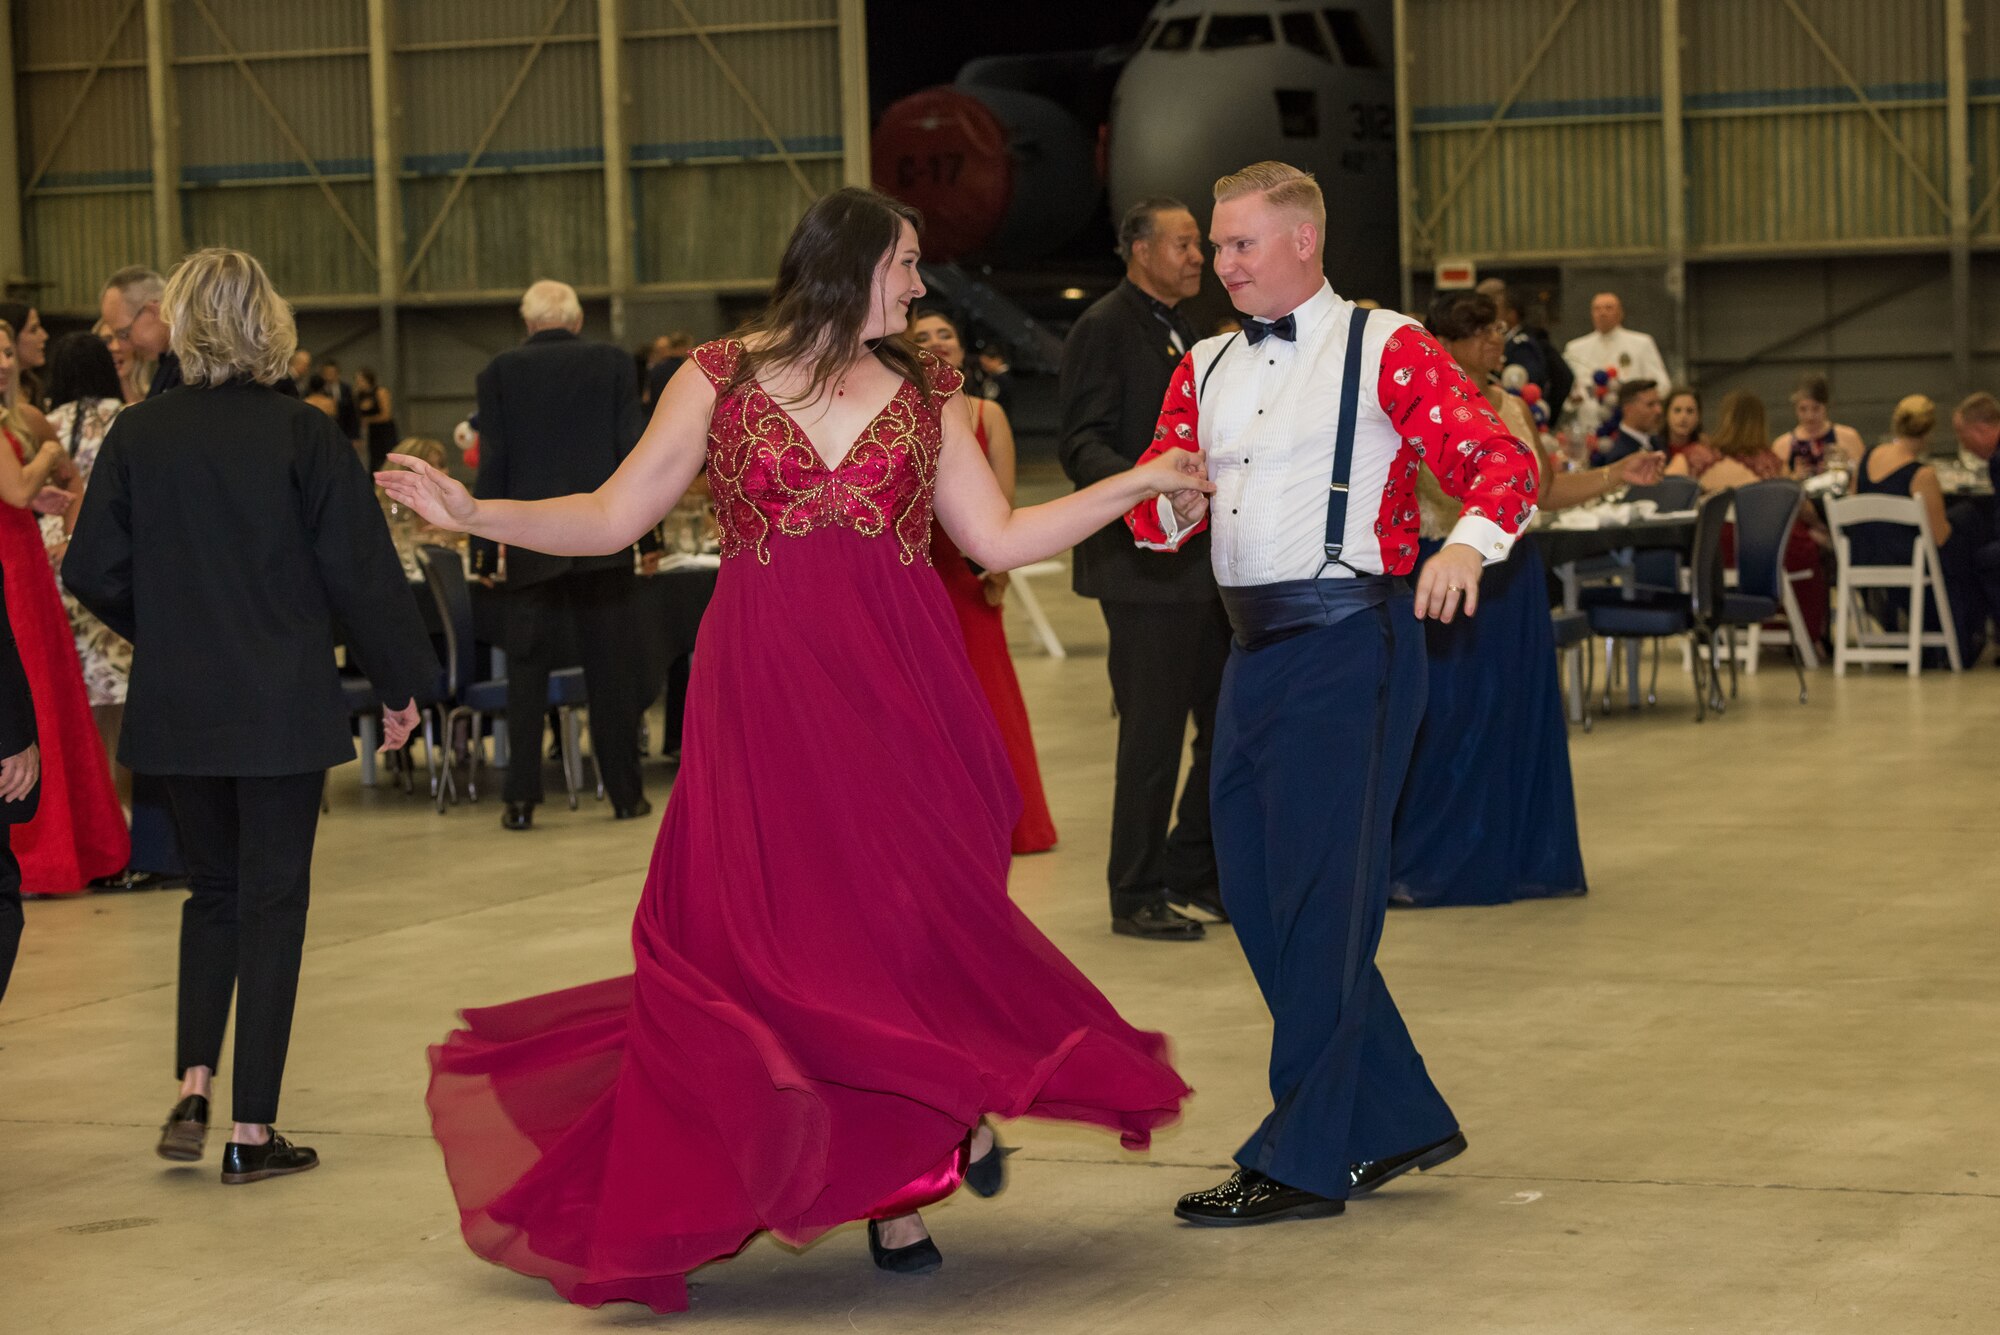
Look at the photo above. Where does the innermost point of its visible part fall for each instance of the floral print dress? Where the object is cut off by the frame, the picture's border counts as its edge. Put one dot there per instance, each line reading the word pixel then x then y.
pixel 105 655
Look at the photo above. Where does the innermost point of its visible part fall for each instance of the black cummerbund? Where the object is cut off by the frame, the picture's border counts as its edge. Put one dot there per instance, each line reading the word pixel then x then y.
pixel 1262 614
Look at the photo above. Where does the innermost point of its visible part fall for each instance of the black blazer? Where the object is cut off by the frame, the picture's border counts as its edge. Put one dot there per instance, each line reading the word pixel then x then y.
pixel 557 415
pixel 17 715
pixel 225 532
pixel 1115 369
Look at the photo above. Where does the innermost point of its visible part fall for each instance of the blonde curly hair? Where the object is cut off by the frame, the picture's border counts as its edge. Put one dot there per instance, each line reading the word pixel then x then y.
pixel 227 320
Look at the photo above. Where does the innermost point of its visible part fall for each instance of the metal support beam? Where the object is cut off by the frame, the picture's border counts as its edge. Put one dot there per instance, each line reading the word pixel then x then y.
pixel 165 135
pixel 388 182
pixel 90 74
pixel 619 223
pixel 748 99
pixel 13 253
pixel 856 164
pixel 1673 160
pixel 1406 165
pixel 1958 141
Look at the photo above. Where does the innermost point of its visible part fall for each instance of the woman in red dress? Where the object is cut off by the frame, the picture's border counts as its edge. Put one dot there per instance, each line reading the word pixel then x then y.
pixel 78 833
pixel 977 595
pixel 833 990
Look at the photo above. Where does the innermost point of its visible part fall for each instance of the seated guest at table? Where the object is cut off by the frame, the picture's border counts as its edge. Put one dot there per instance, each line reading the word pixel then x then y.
pixel 234 693
pixel 1976 544
pixel 1683 421
pixel 1738 456
pixel 1899 469
pixel 976 596
pixel 1639 414
pixel 1810 445
pixel 1488 814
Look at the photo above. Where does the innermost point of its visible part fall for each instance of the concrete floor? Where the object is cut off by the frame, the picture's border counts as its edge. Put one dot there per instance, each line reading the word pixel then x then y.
pixel 1741 1087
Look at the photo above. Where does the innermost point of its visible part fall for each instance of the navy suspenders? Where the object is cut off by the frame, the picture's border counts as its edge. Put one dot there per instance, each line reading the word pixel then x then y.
pixel 1343 442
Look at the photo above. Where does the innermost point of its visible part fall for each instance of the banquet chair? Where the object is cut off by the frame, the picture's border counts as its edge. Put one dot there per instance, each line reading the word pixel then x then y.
pixel 477 701
pixel 1857 637
pixel 1765 513
pixel 1654 614
pixel 1572 632
pixel 1018 584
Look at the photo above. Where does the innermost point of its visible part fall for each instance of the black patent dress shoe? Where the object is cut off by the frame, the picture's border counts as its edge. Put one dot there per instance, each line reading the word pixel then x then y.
pixel 1251 1198
pixel 1365 1177
pixel 185 1135
pixel 639 808
pixel 986 1175
pixel 1157 922
pixel 517 816
pixel 132 879
pixel 919 1258
pixel 1208 899
pixel 276 1157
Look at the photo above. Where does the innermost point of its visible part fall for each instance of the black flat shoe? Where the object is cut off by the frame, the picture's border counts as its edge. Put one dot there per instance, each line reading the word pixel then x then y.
pixel 1252 1198
pixel 132 880
pixel 276 1157
pixel 185 1135
pixel 987 1174
pixel 639 808
pixel 1157 922
pixel 919 1258
pixel 517 816
pixel 1365 1177
pixel 1208 900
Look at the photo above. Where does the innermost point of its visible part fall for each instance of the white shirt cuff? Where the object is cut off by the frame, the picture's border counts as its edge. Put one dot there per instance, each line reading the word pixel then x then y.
pixel 1484 536
pixel 1169 524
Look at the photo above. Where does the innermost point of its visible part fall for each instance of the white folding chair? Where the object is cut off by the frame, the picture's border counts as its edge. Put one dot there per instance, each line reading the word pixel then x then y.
pixel 1858 638
pixel 1018 584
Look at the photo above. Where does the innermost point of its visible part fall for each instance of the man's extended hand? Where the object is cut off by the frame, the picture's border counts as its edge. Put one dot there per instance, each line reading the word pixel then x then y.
pixel 1451 573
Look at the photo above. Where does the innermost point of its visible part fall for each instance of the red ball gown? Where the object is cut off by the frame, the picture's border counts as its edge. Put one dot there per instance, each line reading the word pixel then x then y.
pixel 986 646
pixel 831 986
pixel 78 833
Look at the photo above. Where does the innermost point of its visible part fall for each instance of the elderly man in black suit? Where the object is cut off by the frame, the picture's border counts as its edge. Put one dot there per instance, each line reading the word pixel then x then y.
pixel 235 697
pixel 557 415
pixel 1169 637
pixel 20 773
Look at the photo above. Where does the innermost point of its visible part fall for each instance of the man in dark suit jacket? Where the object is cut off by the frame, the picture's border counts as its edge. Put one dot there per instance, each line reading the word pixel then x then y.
pixel 1169 637
pixel 1640 413
pixel 20 775
pixel 557 415
pixel 346 412
pixel 234 697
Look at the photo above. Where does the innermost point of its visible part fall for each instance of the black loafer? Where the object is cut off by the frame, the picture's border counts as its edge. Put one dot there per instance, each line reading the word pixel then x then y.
pixel 639 808
pixel 132 879
pixel 986 1175
pixel 276 1157
pixel 1208 900
pixel 1251 1198
pixel 1157 922
pixel 185 1134
pixel 919 1258
pixel 517 816
pixel 1365 1177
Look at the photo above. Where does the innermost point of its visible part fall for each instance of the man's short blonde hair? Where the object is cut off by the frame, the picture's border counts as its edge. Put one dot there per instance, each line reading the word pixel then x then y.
pixel 549 304
pixel 1282 185
pixel 227 320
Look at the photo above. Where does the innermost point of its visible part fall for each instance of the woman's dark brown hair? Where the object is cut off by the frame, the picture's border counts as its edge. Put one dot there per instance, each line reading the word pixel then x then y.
pixel 1742 432
pixel 1685 392
pixel 826 283
pixel 1455 316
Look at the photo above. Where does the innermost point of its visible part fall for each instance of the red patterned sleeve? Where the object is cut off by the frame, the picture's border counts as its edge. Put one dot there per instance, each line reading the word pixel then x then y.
pixel 1152 521
pixel 1448 421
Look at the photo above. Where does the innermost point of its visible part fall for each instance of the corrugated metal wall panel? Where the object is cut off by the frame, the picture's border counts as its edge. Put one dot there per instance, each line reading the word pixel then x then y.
pixel 684 106
pixel 1606 57
pixel 655 15
pixel 449 98
pixel 680 211
pixel 1547 189
pixel 106 141
pixel 74 242
pixel 507 231
pixel 1759 47
pixel 1982 62
pixel 292 230
pixel 458 24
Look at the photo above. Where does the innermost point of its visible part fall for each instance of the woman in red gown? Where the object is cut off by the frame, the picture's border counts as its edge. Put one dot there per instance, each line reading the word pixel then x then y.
pixel 832 990
pixel 78 833
pixel 976 597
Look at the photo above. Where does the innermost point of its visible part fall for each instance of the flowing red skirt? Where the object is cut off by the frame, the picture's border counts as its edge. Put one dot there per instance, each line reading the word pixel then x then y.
pixel 831 985
pixel 78 833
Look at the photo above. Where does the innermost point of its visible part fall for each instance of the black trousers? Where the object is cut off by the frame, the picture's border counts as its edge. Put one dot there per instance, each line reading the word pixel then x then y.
pixel 1971 561
pixel 1166 665
pixel 598 606
pixel 10 907
pixel 248 845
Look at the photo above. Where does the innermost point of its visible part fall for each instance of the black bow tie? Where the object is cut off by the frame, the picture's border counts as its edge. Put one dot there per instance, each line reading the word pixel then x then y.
pixel 1286 328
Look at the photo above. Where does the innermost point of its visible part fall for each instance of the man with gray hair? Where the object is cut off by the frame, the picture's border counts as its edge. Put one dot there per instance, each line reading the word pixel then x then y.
pixel 130 306
pixel 557 415
pixel 1169 638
